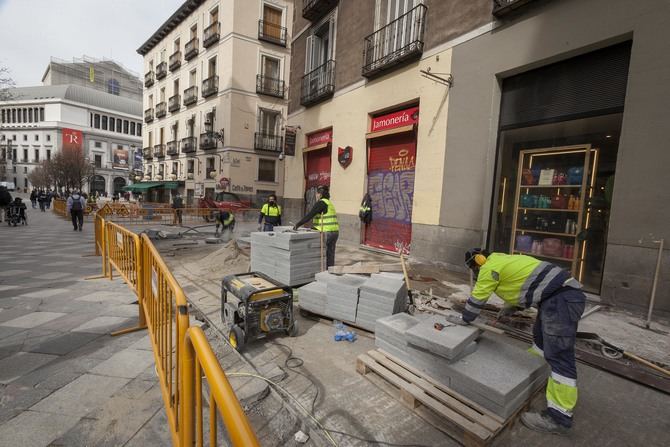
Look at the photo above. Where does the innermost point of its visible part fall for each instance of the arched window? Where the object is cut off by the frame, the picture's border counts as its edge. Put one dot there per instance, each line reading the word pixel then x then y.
pixel 113 87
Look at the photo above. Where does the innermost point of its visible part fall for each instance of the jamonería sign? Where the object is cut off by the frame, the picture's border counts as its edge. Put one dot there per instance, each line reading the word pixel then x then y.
pixel 395 119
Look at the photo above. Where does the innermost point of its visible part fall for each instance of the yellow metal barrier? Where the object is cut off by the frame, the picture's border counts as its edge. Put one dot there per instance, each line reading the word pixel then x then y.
pixel 166 313
pixel 198 358
pixel 59 207
pixel 100 241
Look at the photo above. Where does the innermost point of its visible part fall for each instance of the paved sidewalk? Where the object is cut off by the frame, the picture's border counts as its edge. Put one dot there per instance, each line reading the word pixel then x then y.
pixel 64 381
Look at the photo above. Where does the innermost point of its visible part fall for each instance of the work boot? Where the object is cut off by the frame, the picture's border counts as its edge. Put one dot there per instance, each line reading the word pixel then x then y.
pixel 544 423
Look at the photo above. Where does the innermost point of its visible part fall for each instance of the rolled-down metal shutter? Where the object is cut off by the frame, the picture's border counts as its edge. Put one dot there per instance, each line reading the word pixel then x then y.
pixel 586 85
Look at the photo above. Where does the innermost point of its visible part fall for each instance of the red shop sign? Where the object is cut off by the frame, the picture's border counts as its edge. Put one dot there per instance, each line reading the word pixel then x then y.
pixel 72 139
pixel 395 119
pixel 325 136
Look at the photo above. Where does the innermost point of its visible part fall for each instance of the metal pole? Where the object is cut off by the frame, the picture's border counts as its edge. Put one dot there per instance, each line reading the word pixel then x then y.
pixel 653 287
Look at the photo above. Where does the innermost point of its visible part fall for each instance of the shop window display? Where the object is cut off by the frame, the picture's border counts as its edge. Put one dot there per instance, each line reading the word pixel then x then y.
pixel 553 193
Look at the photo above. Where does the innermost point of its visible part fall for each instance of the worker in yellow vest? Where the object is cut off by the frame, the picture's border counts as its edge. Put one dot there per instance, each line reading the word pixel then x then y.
pixel 523 281
pixel 324 220
pixel 271 213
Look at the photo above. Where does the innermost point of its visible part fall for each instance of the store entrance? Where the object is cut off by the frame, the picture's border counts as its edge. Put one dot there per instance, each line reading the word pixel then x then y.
pixel 317 173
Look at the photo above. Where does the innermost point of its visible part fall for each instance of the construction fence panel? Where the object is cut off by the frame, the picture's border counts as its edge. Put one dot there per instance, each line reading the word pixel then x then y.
pixel 100 241
pixel 200 362
pixel 123 252
pixel 59 206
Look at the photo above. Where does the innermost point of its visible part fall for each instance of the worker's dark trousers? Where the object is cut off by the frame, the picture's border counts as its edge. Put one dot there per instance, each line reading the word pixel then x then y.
pixel 554 337
pixel 77 218
pixel 331 241
pixel 268 226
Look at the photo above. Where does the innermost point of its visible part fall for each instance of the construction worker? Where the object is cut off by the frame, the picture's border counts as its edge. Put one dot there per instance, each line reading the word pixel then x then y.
pixel 325 220
pixel 225 220
pixel 271 212
pixel 523 281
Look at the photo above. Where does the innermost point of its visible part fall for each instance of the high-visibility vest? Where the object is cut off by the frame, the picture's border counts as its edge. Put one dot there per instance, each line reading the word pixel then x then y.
pixel 228 220
pixel 271 211
pixel 326 222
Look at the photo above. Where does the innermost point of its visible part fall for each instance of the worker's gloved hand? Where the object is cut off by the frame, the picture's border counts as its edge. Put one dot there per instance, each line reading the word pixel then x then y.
pixel 506 311
pixel 456 319
pixel 295 228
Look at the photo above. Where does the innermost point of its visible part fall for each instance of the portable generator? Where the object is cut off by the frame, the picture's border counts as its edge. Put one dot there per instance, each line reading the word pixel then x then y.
pixel 253 306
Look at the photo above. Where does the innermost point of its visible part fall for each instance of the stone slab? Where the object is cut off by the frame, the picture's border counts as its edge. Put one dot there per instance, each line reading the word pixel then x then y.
pixel 21 363
pixel 128 363
pixel 43 428
pixel 101 325
pixel 448 342
pixel 33 319
pixel 63 344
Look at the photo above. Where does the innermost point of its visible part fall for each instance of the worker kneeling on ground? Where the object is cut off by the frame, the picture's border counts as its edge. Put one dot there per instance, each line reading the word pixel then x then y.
pixel 325 220
pixel 225 220
pixel 271 213
pixel 523 281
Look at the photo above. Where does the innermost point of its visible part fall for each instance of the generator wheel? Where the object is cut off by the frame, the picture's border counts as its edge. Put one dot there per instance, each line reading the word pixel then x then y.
pixel 236 337
pixel 293 330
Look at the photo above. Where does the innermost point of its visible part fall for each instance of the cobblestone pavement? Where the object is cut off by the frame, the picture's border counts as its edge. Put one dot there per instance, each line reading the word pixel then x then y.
pixel 64 381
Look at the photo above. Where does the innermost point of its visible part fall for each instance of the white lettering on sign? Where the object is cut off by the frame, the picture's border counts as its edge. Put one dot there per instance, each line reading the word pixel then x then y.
pixel 119 240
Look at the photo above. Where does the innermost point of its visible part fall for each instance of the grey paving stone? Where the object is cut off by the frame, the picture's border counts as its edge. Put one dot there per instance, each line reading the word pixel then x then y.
pixel 153 432
pixel 128 363
pixel 13 272
pixel 44 293
pixel 33 319
pixel 118 297
pixel 102 325
pixel 80 397
pixel 64 343
pixel 14 366
pixel 53 275
pixel 44 428
pixel 16 398
pixel 143 344
pixel 448 342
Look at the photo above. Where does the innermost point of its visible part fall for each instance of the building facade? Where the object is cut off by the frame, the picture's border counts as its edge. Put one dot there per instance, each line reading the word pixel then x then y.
pixel 37 122
pixel 215 98
pixel 522 126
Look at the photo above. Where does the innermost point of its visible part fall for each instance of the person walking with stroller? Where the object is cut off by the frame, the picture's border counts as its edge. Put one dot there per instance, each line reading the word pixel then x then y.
pixel 17 212
pixel 5 201
pixel 75 206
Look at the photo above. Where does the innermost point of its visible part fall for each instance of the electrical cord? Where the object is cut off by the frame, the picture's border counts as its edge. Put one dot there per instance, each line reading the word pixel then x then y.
pixel 297 363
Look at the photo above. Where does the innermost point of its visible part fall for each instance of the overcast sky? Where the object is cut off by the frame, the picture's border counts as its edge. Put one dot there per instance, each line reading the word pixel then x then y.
pixel 31 31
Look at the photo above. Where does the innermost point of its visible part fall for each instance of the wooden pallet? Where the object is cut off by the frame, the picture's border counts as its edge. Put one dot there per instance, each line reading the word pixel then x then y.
pixel 448 411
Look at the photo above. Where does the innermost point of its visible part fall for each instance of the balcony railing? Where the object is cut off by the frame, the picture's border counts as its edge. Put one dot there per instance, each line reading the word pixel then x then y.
pixel 161 109
pixel 149 79
pixel 174 62
pixel 174 103
pixel 190 95
pixel 315 9
pixel 266 85
pixel 271 32
pixel 147 153
pixel 172 147
pixel 191 49
pixel 268 142
pixel 504 7
pixel 188 145
pixel 318 84
pixel 161 70
pixel 159 150
pixel 399 41
pixel 211 34
pixel 207 140
pixel 210 86
pixel 149 115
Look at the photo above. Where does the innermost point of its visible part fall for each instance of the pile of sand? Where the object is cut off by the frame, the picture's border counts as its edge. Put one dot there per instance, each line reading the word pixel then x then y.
pixel 224 261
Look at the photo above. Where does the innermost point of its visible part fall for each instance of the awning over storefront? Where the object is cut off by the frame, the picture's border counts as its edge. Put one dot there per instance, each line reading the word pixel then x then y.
pixel 146 186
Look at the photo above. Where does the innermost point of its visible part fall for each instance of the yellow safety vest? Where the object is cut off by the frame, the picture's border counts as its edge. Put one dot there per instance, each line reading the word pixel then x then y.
pixel 327 222
pixel 271 211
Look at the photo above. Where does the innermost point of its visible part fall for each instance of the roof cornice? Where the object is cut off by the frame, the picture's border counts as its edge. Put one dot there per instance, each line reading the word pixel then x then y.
pixel 170 24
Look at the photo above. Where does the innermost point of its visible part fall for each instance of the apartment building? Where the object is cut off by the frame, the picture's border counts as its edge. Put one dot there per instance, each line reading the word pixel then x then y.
pixel 215 99
pixel 518 125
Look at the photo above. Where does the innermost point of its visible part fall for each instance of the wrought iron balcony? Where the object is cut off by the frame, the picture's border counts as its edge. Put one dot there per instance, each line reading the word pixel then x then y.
pixel 161 70
pixel 149 115
pixel 266 85
pixel 210 86
pixel 268 142
pixel 174 62
pixel 318 84
pixel 211 35
pixel 191 49
pixel 190 95
pixel 174 103
pixel 398 42
pixel 149 79
pixel 161 109
pixel 172 147
pixel 315 9
pixel 188 145
pixel 207 140
pixel 159 150
pixel 147 154
pixel 271 32
pixel 504 7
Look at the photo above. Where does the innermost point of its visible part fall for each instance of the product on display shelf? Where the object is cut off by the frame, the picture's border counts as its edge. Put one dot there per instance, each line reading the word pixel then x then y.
pixel 527 177
pixel 552 246
pixel 575 175
pixel 560 178
pixel 546 177
pixel 528 201
pixel 536 248
pixel 559 201
pixel 557 224
pixel 524 243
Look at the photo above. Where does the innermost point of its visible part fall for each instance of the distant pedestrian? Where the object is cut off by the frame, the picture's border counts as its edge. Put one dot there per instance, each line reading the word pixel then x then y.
pixel 33 198
pixel 271 213
pixel 49 197
pixel 75 206
pixel 42 199
pixel 5 201
pixel 178 207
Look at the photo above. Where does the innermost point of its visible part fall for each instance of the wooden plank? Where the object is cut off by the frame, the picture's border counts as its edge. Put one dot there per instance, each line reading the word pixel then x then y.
pixel 443 388
pixel 464 409
pixel 430 402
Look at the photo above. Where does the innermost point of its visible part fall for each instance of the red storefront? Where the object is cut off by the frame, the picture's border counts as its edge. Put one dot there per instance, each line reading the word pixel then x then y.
pixel 317 163
pixel 390 181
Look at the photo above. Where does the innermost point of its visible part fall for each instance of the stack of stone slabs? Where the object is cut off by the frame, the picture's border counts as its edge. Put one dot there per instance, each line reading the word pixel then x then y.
pixel 292 258
pixel 342 300
pixel 498 376
pixel 312 297
pixel 381 295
